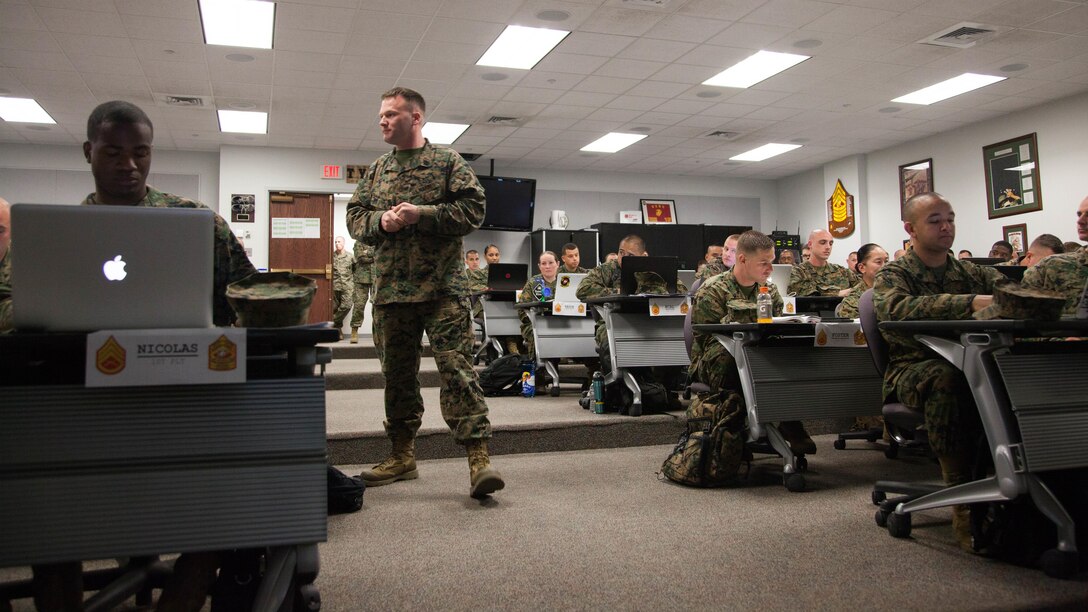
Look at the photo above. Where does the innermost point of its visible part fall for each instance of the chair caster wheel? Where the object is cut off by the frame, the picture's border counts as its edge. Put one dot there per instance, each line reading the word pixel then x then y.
pixel 892 451
pixel 840 444
pixel 899 525
pixel 1059 564
pixel 878 497
pixel 554 391
pixel 795 483
pixel 802 464
pixel 881 518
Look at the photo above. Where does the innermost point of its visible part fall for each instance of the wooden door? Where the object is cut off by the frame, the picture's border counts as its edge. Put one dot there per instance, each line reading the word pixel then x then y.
pixel 300 241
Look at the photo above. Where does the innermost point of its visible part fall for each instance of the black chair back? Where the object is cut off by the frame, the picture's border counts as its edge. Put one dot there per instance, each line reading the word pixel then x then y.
pixel 878 347
pixel 689 336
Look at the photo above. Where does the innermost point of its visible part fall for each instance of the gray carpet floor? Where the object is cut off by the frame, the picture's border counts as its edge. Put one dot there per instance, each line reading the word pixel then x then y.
pixel 597 529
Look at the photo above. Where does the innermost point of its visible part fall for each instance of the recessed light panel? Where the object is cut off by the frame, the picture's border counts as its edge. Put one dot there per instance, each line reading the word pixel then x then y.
pixel 521 47
pixel 955 86
pixel 443 133
pixel 612 142
pixel 23 110
pixel 243 122
pixel 238 23
pixel 761 66
pixel 767 151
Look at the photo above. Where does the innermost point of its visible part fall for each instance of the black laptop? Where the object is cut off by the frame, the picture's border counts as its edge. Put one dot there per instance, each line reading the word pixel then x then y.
pixel 822 306
pixel 665 267
pixel 1014 273
pixel 506 277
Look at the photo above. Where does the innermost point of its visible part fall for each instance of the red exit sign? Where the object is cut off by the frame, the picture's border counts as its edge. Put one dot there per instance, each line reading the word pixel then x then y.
pixel 330 172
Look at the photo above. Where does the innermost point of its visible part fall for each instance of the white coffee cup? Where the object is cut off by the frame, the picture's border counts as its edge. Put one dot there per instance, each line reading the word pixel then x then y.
pixel 559 219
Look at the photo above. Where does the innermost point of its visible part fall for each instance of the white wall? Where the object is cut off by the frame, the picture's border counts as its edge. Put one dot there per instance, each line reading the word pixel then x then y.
pixel 1062 130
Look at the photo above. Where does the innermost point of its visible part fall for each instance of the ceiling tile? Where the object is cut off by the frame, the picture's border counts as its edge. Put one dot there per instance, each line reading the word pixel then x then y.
pixel 789 13
pixel 590 43
pixel 687 28
pixel 533 94
pixel 568 62
pixel 70 21
pixel 171 9
pixel 163 29
pixel 26 40
pixel 631 69
pixel 656 50
pixel 288 39
pixel 1016 13
pixel 16 58
pixel 657 89
pixel 20 17
pixel 312 17
pixel 463 31
pixel 603 84
pixel 631 22
pixel 388 25
pixel 1072 21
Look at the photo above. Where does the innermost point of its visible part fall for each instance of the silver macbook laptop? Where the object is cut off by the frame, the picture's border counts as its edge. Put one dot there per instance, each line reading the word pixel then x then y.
pixel 86 268
pixel 566 287
pixel 780 277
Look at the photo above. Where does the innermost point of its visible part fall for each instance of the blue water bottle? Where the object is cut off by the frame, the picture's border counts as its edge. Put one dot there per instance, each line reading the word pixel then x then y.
pixel 598 392
pixel 528 379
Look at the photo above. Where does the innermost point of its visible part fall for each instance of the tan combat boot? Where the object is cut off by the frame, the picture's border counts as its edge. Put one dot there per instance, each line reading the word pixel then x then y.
pixel 399 465
pixel 955 469
pixel 355 335
pixel 484 479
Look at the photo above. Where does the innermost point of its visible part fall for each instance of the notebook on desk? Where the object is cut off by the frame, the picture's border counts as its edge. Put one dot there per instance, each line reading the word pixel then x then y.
pixel 86 268
pixel 665 267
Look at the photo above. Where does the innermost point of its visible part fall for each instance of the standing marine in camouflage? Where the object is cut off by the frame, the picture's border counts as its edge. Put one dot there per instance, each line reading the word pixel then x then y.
pixel 413 205
pixel 341 284
pixel 1067 273
pixel 5 266
pixel 362 271
pixel 731 298
pixel 818 276
pixel 928 283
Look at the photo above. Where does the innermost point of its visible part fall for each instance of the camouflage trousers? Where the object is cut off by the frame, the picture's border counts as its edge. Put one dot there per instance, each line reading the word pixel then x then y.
pixel 716 368
pixel 362 296
pixel 936 388
pixel 398 336
pixel 341 304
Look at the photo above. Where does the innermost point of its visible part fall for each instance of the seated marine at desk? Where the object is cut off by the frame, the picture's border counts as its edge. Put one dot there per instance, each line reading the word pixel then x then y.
pixel 539 288
pixel 572 259
pixel 725 260
pixel 818 276
pixel 871 258
pixel 1067 273
pixel 1042 247
pixel 731 298
pixel 929 283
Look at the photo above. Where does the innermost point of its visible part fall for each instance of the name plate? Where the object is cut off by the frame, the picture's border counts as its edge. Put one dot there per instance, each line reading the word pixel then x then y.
pixel 148 357
pixel 789 305
pixel 839 334
pixel 569 309
pixel 669 306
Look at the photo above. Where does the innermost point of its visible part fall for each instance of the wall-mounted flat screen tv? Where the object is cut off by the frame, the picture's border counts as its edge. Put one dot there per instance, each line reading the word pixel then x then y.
pixel 510 203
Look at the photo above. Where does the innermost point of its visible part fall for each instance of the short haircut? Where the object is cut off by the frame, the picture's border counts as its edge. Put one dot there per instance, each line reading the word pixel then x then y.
pixel 731 237
pixel 752 242
pixel 969 253
pixel 818 230
pixel 412 96
pixel 471 252
pixel 911 206
pixel 570 246
pixel 636 242
pixel 1071 246
pixel 864 252
pixel 543 253
pixel 1051 242
pixel 858 253
pixel 117 112
pixel 489 247
pixel 1003 243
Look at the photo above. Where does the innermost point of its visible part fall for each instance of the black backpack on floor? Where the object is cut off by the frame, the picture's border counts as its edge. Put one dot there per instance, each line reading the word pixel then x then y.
pixel 345 492
pixel 502 376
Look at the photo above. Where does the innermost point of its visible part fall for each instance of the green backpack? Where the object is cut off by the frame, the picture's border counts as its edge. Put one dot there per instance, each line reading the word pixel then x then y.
pixel 710 452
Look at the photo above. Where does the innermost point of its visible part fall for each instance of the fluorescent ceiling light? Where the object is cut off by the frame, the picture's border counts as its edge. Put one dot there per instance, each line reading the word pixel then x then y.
pixel 765 152
pixel 238 23
pixel 244 122
pixel 521 47
pixel 23 110
pixel 443 133
pixel 955 86
pixel 763 65
pixel 612 142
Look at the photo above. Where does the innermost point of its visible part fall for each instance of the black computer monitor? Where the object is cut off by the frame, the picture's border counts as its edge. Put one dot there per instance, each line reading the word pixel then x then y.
pixel 665 267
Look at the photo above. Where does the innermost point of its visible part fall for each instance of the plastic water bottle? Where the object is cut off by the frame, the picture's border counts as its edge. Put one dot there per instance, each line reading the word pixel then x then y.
pixel 528 379
pixel 764 310
pixel 598 392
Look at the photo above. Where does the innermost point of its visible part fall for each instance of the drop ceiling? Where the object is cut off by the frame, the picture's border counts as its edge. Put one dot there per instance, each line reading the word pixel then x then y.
pixel 628 65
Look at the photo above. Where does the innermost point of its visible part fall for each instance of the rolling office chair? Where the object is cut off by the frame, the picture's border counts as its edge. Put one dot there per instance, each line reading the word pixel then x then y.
pixel 902 422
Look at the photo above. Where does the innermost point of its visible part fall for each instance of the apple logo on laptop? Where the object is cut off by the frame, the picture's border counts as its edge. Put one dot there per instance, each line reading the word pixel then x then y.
pixel 114 269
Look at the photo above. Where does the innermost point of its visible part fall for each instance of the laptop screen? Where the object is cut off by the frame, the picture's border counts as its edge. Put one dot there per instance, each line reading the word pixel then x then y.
pixel 86 268
pixel 507 277
pixel 665 267
pixel 566 287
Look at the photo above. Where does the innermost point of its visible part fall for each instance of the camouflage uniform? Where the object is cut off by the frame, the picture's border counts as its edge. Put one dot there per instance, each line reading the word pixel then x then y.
pixel 363 276
pixel 231 263
pixel 419 284
pixel 722 300
pixel 848 307
pixel 829 279
pixel 341 287
pixel 907 290
pixel 476 282
pixel 1066 274
pixel 712 269
pixel 536 289
pixel 578 270
pixel 5 293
